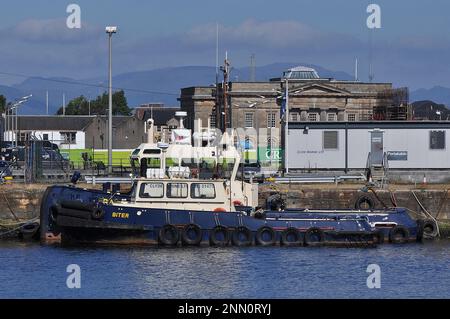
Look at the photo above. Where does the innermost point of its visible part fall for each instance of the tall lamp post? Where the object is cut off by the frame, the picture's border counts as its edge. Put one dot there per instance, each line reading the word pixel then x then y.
pixel 12 114
pixel 110 30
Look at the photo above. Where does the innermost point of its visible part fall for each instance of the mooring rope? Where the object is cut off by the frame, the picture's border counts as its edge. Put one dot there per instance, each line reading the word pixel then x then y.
pixel 427 213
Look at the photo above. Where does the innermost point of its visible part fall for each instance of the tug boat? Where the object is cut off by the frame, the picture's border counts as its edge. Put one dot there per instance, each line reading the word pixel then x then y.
pixel 178 205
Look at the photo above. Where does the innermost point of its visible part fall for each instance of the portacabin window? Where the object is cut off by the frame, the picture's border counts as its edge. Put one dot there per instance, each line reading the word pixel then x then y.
pixel 151 190
pixel 177 190
pixel 330 140
pixel 203 190
pixel 437 140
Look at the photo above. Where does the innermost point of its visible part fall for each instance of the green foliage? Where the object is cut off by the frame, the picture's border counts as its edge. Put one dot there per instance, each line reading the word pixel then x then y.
pixel 99 106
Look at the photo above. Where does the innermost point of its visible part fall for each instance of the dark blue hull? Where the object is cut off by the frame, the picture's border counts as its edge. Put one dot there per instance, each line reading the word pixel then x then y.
pixel 72 216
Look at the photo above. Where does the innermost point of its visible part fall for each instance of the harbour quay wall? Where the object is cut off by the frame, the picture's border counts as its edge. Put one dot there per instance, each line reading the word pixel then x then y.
pixel 435 200
pixel 23 201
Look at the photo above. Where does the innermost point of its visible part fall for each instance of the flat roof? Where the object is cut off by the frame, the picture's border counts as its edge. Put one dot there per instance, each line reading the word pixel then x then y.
pixel 372 125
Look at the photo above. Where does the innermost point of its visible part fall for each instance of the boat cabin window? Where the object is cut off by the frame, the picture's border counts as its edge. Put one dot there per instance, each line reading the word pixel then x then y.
pixel 136 152
pixel 151 190
pixel 203 190
pixel 152 151
pixel 177 190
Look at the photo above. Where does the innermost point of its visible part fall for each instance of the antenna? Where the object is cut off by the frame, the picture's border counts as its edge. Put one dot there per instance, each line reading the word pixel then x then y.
pixel 46 101
pixel 64 103
pixel 371 75
pixel 356 70
pixel 252 68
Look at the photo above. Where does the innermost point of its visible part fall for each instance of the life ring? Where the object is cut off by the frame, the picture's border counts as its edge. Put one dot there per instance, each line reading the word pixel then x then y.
pixel 97 213
pixel 291 237
pixel 429 229
pixel 378 237
pixel 242 236
pixel 314 236
pixel 220 210
pixel 191 235
pixel 364 200
pixel 219 236
pixel 398 235
pixel 168 235
pixel 266 236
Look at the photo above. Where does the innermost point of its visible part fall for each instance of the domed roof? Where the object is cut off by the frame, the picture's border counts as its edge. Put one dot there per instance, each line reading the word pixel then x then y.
pixel 301 73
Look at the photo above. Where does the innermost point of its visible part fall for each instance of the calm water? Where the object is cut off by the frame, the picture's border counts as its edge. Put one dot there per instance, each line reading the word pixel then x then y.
pixel 413 271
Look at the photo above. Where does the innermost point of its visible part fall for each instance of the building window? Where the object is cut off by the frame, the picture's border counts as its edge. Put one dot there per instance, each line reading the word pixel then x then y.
pixel 351 117
pixel 271 120
pixel 330 140
pixel 313 117
pixel 212 120
pixel 45 137
pixel 331 117
pixel 437 140
pixel 23 137
pixel 294 117
pixel 248 120
pixel 69 137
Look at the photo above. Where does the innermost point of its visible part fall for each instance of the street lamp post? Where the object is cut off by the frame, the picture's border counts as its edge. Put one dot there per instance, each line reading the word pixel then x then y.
pixel 110 30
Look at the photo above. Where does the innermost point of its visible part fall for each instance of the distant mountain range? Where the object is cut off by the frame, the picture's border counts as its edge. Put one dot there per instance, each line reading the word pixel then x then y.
pixel 159 85
pixel 163 85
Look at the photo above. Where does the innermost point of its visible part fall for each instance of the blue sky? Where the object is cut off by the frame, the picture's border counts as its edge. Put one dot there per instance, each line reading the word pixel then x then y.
pixel 412 48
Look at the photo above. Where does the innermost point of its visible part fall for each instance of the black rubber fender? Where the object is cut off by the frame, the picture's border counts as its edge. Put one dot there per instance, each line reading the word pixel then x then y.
pixel 214 241
pixel 75 204
pixel 398 235
pixel 186 233
pixel 168 235
pixel 291 232
pixel 314 235
pixel 429 229
pixel 73 213
pixel 241 231
pixel 378 237
pixel 29 230
pixel 97 213
pixel 259 237
pixel 364 199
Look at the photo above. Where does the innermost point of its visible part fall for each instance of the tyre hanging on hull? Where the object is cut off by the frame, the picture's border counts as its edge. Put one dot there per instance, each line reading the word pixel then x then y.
pixel 242 236
pixel 291 237
pixel 266 236
pixel 168 235
pixel 398 235
pixel 219 236
pixel 314 236
pixel 191 235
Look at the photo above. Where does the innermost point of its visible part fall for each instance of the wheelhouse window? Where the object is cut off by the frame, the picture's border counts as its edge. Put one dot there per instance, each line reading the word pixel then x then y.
pixel 203 190
pixel 177 190
pixel 437 140
pixel 151 190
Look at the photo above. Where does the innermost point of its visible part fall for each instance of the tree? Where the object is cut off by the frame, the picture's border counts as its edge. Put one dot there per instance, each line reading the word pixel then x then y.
pixel 99 106
pixel 2 104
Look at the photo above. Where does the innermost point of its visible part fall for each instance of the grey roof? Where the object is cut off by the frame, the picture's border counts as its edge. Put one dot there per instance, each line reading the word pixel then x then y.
pixel 161 115
pixel 53 123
